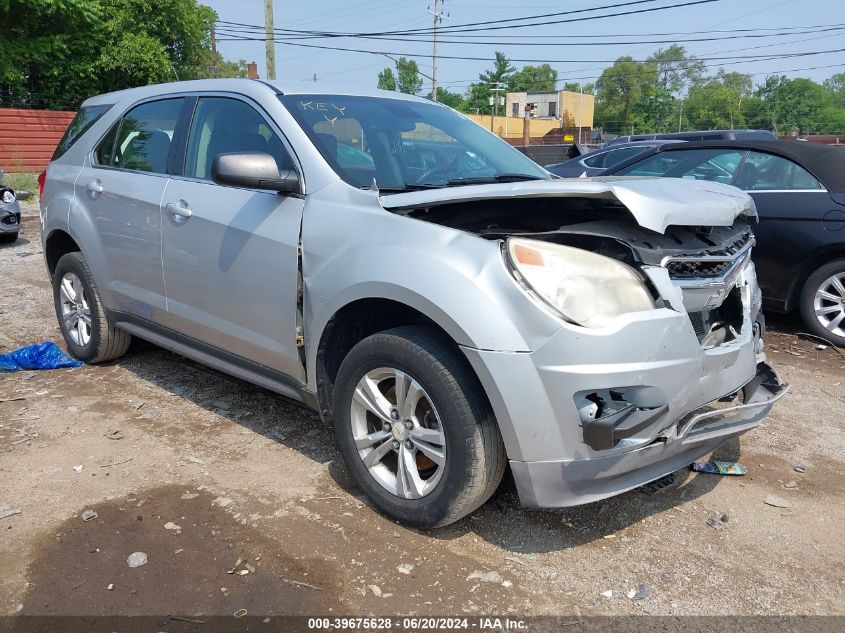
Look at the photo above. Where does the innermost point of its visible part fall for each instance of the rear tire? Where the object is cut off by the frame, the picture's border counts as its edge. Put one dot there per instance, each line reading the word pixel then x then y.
pixel 822 302
pixel 89 335
pixel 445 435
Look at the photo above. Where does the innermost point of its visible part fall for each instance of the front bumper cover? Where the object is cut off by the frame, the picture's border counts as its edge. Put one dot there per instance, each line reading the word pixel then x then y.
pixel 574 482
pixel 547 401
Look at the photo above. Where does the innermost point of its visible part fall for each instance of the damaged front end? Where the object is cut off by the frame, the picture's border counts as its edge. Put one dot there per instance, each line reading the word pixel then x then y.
pixel 705 262
pixel 625 394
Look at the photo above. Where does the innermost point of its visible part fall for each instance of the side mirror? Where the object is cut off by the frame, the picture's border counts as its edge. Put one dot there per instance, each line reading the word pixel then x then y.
pixel 254 170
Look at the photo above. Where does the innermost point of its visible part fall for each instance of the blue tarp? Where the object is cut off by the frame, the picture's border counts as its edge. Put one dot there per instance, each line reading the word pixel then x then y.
pixel 43 356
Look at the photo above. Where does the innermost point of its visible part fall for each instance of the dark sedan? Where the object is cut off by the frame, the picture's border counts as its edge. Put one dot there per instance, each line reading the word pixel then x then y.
pixel 799 190
pixel 597 162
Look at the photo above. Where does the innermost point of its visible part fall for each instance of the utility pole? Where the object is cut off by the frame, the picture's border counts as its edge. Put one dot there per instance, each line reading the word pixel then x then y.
pixel 438 18
pixel 495 88
pixel 213 50
pixel 270 36
pixel 580 112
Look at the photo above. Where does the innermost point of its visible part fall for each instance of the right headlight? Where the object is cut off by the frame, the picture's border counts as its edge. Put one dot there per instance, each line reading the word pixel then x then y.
pixel 8 196
pixel 584 288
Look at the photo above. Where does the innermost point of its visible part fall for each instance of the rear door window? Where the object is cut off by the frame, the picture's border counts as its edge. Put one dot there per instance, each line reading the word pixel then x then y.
pixel 693 164
pixel 84 119
pixel 142 139
pixel 767 172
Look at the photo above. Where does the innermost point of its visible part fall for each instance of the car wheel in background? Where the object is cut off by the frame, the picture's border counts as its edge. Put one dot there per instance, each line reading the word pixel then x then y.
pixel 415 428
pixel 823 302
pixel 85 327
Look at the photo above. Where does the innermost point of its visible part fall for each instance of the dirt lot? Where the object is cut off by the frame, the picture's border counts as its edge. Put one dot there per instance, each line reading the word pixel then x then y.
pixel 210 475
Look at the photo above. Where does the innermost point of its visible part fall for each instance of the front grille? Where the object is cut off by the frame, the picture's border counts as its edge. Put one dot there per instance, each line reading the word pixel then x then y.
pixel 708 264
pixel 685 269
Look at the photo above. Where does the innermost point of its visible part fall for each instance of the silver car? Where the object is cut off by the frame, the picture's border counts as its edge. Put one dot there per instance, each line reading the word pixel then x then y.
pixel 439 299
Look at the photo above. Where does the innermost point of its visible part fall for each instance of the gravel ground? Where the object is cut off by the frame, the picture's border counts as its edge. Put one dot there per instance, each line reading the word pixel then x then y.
pixel 239 500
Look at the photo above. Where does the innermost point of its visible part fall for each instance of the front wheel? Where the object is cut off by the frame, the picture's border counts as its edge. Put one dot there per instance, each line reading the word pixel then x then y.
pixel 415 428
pixel 823 302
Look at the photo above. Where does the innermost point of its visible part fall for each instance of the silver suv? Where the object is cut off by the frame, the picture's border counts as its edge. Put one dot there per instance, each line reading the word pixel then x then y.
pixel 442 301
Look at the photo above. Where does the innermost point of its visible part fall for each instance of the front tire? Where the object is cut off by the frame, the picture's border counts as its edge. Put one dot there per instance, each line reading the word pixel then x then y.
pixel 415 428
pixel 89 335
pixel 823 302
pixel 8 238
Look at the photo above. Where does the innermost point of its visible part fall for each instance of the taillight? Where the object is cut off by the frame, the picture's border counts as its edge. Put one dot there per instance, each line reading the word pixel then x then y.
pixel 41 178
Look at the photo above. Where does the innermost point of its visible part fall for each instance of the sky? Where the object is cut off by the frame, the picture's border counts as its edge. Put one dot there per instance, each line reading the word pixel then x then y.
pixel 573 62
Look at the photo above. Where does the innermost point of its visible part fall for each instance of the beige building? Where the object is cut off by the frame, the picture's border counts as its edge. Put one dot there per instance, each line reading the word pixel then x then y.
pixel 572 109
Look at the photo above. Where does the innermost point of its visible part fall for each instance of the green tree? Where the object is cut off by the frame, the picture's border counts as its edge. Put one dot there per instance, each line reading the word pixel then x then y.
pixel 501 72
pixel 224 68
pixel 756 114
pixel 574 86
pixel 655 109
pixel 676 70
pixel 796 103
pixel 740 83
pixel 478 94
pixel 387 80
pixel 533 79
pixel 619 90
pixel 713 106
pixel 451 99
pixel 408 78
pixel 478 99
pixel 55 53
pixel 835 85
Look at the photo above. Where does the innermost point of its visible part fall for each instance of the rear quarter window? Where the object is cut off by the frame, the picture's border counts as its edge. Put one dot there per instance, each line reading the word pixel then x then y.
pixel 84 119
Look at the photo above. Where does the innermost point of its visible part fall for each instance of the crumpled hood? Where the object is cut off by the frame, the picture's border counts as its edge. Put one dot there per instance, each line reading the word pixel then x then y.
pixel 655 203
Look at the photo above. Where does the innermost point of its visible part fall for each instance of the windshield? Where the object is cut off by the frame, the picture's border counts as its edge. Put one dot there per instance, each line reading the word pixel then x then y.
pixel 405 145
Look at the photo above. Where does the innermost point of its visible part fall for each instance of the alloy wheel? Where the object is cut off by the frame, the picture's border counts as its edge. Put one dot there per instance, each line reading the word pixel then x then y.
pixel 76 313
pixel 398 433
pixel 829 304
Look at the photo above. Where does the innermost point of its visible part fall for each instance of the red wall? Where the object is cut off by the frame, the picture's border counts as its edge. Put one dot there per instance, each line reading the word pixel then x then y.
pixel 28 137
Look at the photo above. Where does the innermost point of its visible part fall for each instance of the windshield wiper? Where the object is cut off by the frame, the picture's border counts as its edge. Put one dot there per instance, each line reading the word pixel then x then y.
pixel 505 177
pixel 408 186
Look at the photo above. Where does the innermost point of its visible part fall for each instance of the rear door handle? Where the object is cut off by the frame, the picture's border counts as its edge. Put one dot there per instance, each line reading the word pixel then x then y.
pixel 179 210
pixel 95 187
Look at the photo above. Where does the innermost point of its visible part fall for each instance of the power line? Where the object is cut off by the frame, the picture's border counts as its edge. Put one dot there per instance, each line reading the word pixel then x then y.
pixel 497 24
pixel 529 61
pixel 236 34
pixel 236 26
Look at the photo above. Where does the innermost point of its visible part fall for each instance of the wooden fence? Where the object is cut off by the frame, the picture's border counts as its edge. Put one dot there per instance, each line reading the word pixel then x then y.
pixel 29 137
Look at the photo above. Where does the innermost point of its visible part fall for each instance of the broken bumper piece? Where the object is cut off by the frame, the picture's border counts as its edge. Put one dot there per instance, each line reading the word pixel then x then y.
pixel 699 432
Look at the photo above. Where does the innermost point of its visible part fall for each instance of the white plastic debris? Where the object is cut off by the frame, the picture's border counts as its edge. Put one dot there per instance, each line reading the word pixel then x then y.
pixel 136 559
pixel 490 576
pixel 376 590
pixel 78 468
pixel 405 568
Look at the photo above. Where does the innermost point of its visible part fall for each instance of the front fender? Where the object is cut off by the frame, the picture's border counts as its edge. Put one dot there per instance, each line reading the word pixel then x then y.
pixel 460 281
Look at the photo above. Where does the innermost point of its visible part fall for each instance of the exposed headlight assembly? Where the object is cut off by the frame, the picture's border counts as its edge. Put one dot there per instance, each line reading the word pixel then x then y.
pixel 8 196
pixel 584 288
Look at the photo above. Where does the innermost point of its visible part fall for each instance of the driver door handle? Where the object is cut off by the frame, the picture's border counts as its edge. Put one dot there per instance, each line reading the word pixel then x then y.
pixel 179 210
